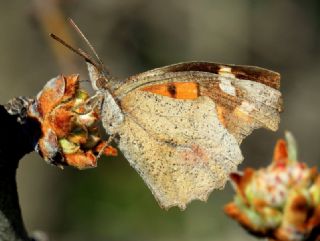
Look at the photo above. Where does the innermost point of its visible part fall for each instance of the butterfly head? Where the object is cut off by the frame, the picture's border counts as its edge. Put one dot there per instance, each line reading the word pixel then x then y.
pixel 98 74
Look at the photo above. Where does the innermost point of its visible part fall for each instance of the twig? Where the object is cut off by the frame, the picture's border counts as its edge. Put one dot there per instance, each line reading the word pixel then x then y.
pixel 18 137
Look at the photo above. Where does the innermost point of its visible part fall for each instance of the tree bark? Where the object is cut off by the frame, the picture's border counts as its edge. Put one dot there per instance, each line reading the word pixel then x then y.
pixel 17 138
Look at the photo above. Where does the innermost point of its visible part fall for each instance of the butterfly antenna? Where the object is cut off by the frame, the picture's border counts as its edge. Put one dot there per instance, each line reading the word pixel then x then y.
pixel 74 25
pixel 78 51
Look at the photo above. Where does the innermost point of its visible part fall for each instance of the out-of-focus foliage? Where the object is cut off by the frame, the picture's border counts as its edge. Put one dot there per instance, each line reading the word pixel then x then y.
pixel 111 202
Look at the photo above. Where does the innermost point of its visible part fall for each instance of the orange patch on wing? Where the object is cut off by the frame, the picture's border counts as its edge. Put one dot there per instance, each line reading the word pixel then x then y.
pixel 221 112
pixel 242 115
pixel 177 90
pixel 195 154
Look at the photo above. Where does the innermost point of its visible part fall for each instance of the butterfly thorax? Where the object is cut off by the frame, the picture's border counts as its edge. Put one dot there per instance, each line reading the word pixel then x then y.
pixel 111 114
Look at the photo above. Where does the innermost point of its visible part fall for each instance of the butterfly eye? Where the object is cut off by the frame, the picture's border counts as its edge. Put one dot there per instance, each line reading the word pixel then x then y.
pixel 101 83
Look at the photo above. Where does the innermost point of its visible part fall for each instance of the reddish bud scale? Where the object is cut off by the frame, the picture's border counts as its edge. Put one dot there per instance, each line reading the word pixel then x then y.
pixel 280 202
pixel 69 130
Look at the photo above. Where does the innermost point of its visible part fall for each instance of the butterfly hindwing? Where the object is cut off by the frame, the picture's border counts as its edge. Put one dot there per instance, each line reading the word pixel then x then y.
pixel 178 147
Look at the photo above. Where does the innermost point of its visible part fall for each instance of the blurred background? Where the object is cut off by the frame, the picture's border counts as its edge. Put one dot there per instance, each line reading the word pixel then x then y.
pixel 111 202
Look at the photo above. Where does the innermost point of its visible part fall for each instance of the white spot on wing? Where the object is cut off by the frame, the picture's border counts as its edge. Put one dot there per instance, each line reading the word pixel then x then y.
pixel 225 76
pixel 226 71
pixel 226 86
pixel 246 107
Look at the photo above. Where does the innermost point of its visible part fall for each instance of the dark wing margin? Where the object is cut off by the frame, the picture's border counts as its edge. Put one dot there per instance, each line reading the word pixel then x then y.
pixel 253 73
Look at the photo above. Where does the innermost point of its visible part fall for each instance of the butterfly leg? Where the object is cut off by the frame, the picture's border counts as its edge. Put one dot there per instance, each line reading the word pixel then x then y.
pixel 106 144
pixel 93 103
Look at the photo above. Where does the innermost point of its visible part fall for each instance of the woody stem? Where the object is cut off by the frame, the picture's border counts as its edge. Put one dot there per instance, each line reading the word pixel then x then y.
pixel 16 140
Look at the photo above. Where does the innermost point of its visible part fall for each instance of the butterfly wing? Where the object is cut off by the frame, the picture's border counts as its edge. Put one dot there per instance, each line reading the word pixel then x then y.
pixel 178 147
pixel 185 147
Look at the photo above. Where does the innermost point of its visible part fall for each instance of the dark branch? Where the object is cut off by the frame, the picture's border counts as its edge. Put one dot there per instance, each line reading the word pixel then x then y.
pixel 18 136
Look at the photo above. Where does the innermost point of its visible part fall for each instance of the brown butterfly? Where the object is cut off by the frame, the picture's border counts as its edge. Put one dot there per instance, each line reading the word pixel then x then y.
pixel 180 126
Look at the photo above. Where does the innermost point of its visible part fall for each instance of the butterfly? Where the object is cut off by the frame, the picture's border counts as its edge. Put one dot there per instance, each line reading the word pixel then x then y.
pixel 180 126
